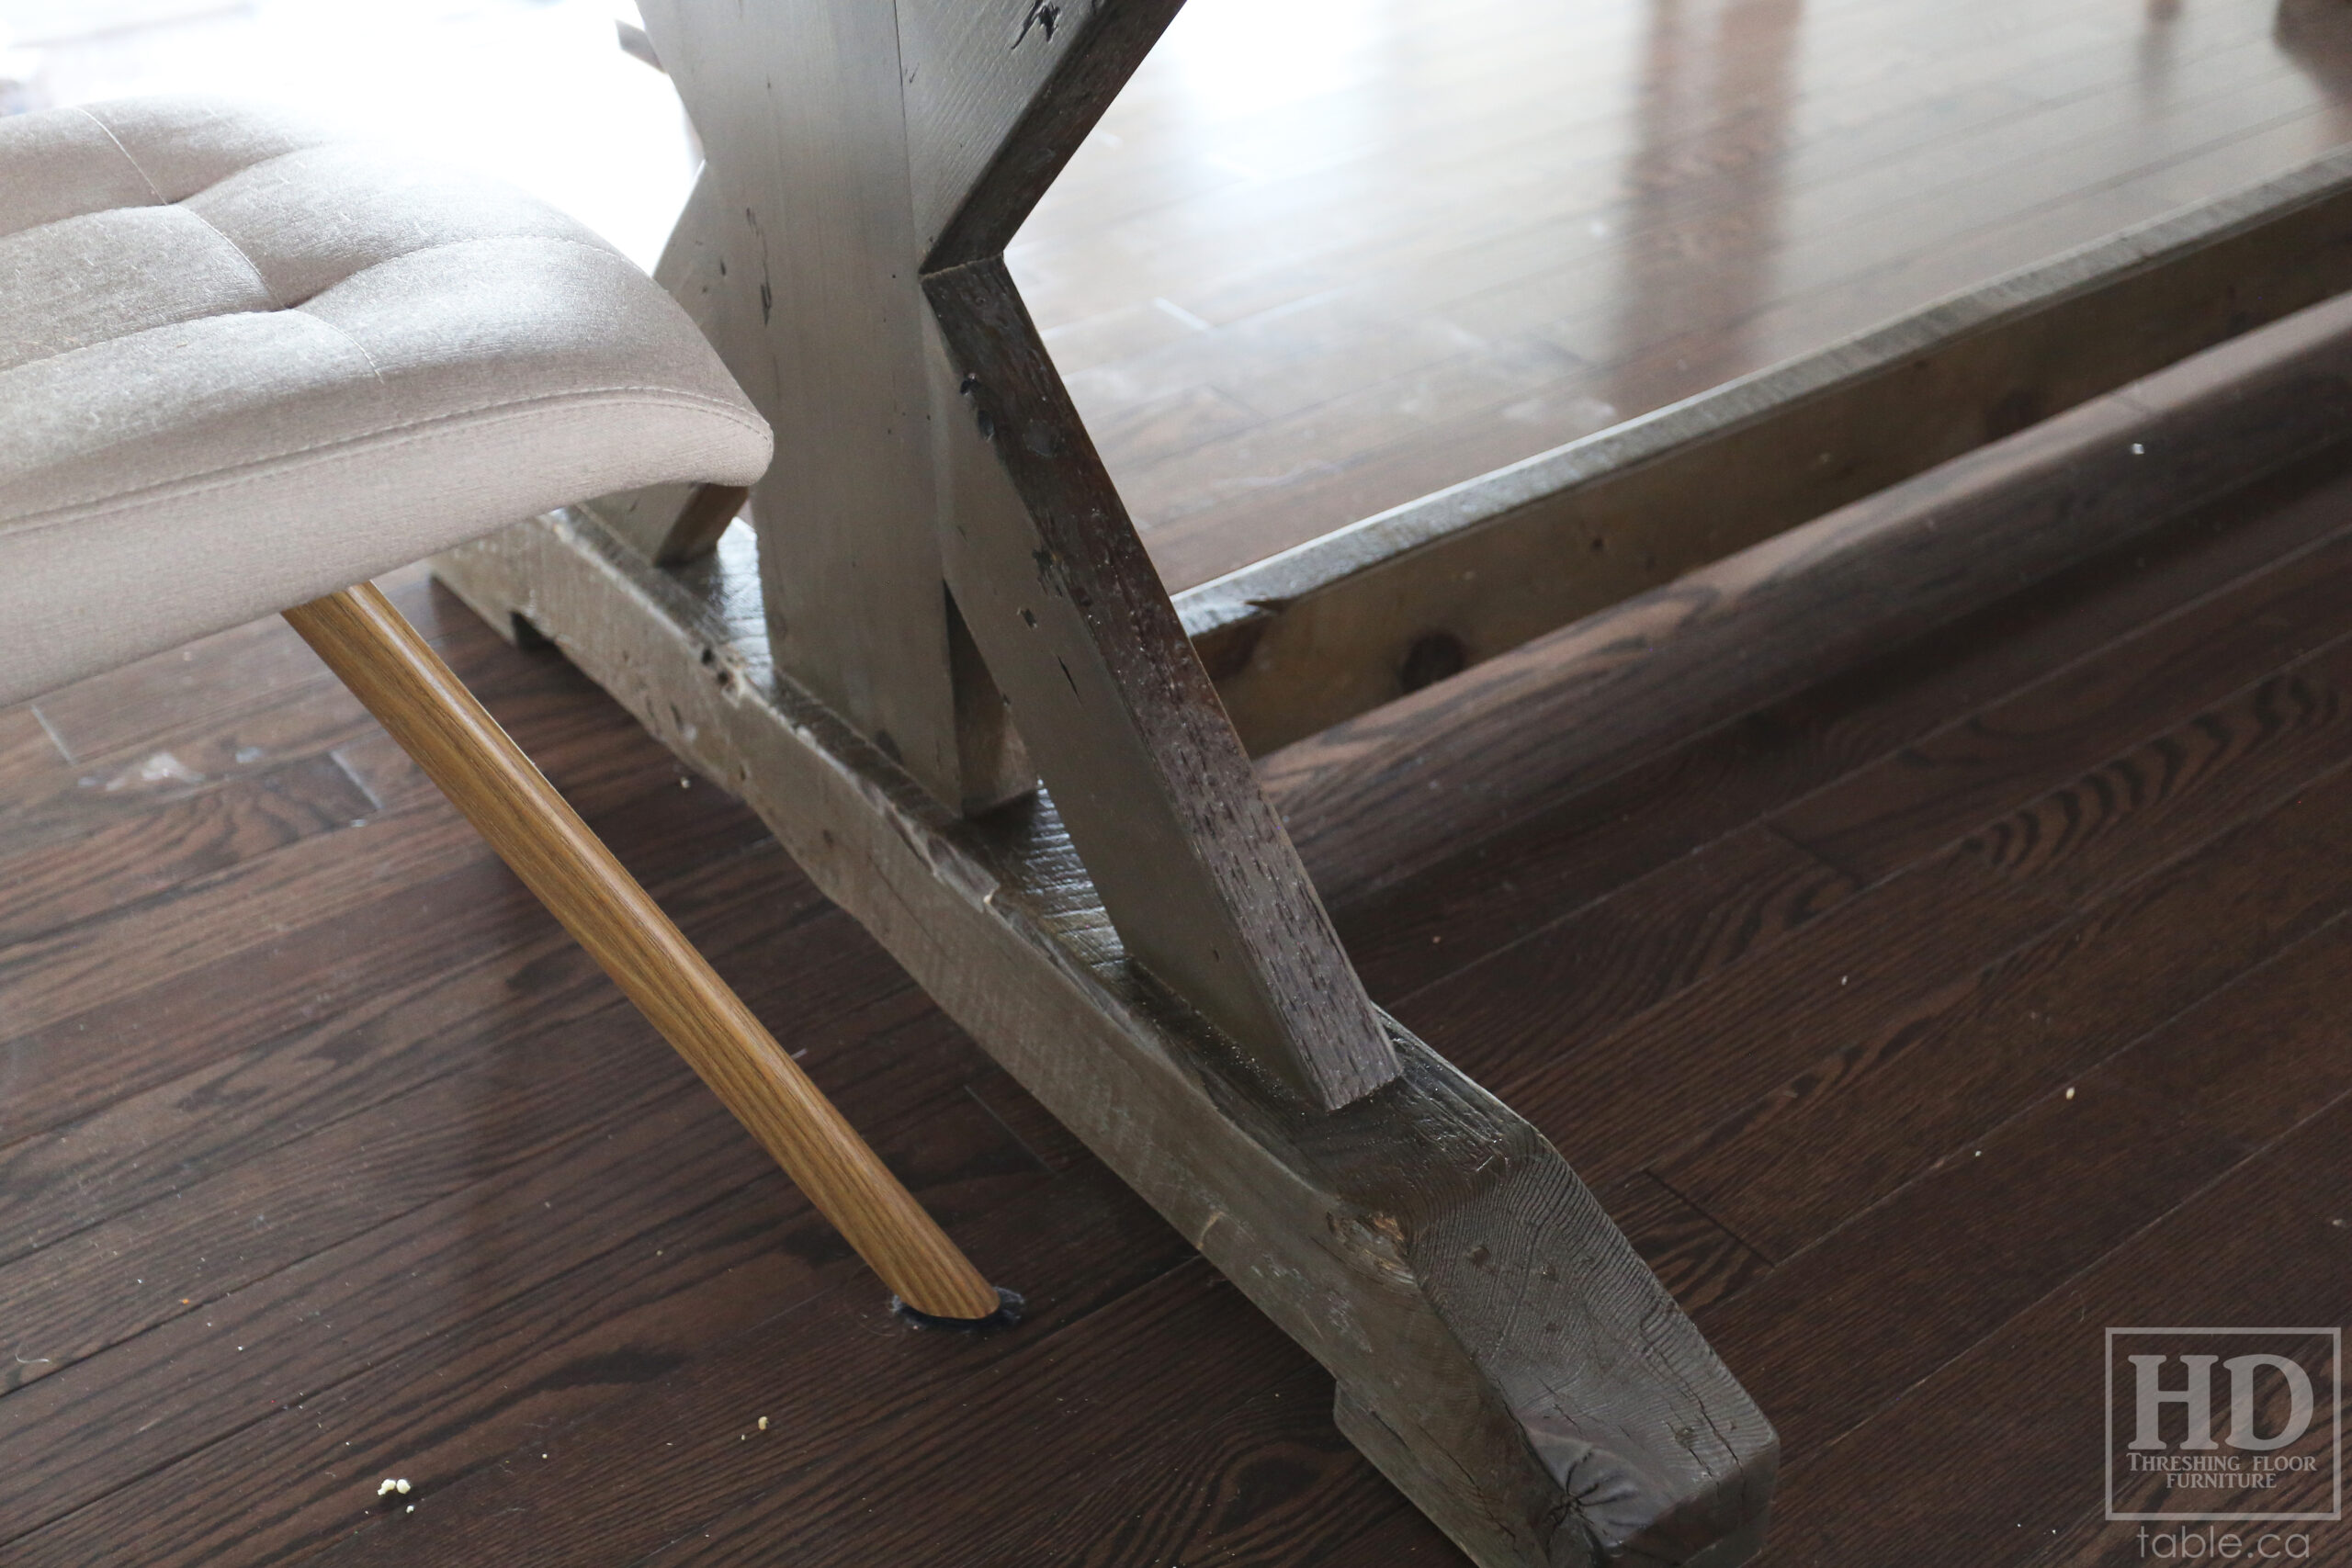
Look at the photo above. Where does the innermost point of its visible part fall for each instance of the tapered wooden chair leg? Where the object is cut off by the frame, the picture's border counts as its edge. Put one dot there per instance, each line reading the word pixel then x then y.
pixel 415 696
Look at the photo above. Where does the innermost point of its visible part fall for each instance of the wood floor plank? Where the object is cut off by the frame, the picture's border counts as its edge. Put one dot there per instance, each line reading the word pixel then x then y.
pixel 110 1033
pixel 151 753
pixel 1266 487
pixel 108 1421
pixel 2225 764
pixel 1049 1413
pixel 844 1428
pixel 1692 1255
pixel 1876 1108
pixel 1569 982
pixel 472 1220
pixel 1270 1482
pixel 132 858
pixel 1872 712
pixel 1030 1125
pixel 131 1272
pixel 2204 1262
pixel 52 806
pixel 1870 967
pixel 1947 784
pixel 1528 869
pixel 579 1358
pixel 213 919
pixel 2068 1182
pixel 199 1121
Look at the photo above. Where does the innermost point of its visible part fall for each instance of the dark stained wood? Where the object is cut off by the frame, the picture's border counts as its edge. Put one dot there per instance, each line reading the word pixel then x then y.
pixel 1321 633
pixel 1871 966
pixel 621 1303
pixel 2225 763
pixel 1121 720
pixel 309 989
pixel 321 960
pixel 187 1126
pixel 2035 1199
pixel 54 976
pixel 1571 708
pixel 45 889
pixel 1933 791
pixel 1562 855
pixel 1036 1403
pixel 1575 978
pixel 1905 1094
pixel 1272 1481
pixel 2203 1262
pixel 98 1425
pixel 1437 255
pixel 1435 1215
pixel 596 1354
pixel 1695 1256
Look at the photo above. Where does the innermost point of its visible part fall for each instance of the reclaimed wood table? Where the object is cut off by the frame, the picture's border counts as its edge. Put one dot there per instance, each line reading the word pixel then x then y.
pixel 941 602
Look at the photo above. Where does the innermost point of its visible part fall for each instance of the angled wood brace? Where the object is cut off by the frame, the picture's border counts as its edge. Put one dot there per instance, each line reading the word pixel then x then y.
pixel 951 600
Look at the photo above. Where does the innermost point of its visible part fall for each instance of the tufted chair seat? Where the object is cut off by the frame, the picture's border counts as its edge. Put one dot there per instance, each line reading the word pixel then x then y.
pixel 244 361
pixel 246 365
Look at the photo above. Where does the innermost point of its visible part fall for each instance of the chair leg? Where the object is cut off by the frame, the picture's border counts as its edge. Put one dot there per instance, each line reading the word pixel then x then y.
pixel 414 695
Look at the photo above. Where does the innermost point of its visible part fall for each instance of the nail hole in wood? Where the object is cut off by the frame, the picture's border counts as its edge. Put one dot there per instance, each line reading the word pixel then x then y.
pixel 1432 658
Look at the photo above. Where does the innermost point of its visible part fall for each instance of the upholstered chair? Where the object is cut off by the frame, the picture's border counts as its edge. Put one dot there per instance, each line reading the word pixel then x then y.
pixel 246 365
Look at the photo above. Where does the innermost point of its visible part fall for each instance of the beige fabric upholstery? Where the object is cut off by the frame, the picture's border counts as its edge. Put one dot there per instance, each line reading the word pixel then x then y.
pixel 244 362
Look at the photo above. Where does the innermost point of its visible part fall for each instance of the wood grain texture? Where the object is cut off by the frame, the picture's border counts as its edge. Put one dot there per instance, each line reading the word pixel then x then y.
pixel 1319 634
pixel 1504 247
pixel 629 1320
pixel 46 889
pixel 1522 869
pixel 1864 969
pixel 1527 1381
pixel 2144 1133
pixel 1122 721
pixel 487 777
pixel 804 244
pixel 591 1374
pixel 1546 994
pixel 2231 761
pixel 1904 1098
pixel 179 1118
pixel 2201 1263
pixel 1691 1253
pixel 1931 792
pixel 1606 692
pixel 433 1262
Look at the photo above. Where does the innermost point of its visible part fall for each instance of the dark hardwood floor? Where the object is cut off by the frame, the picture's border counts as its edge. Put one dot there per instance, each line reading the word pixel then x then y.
pixel 1917 1029
pixel 1324 257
